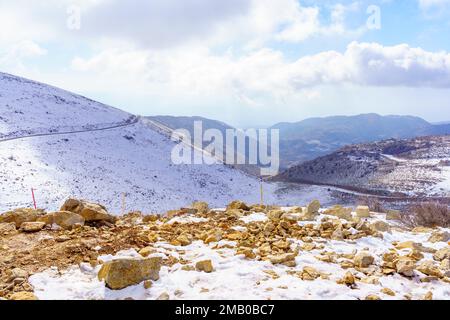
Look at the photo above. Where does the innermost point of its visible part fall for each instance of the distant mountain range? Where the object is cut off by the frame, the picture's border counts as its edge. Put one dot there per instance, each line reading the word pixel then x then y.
pixel 315 137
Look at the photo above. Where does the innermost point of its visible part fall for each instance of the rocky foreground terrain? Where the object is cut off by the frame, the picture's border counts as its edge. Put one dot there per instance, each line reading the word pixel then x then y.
pixel 240 252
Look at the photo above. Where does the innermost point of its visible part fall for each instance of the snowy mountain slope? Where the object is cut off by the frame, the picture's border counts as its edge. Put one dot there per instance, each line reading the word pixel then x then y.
pixel 29 107
pixel 101 165
pixel 419 167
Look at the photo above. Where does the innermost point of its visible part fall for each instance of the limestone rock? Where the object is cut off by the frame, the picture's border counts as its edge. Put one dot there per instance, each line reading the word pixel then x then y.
pixel 22 295
pixel 145 252
pixel 428 268
pixel 415 246
pixel 238 205
pixel 275 214
pixel 313 207
pixel 205 266
pixel 388 291
pixel 348 279
pixel 380 226
pixel 363 212
pixel 363 259
pixel 32 226
pixel 405 266
pixel 65 219
pixel 201 207
pixel 340 212
pixel 442 254
pixel 121 273
pixel 439 236
pixel 20 216
pixel 393 215
pixel 88 210
pixel 428 296
pixel 7 228
pixel 163 296
pixel 282 258
pixel 309 274
pixel 184 240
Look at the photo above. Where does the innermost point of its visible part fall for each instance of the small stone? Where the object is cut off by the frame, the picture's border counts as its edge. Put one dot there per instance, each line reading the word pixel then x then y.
pixel 428 296
pixel 442 254
pixel 388 291
pixel 373 297
pixel 201 207
pixel 309 274
pixel 380 226
pixel 147 284
pixel 23 295
pixel 7 228
pixel 163 296
pixel 363 212
pixel 145 252
pixel 205 266
pixel 393 215
pixel 275 214
pixel 313 207
pixel 439 236
pixel 282 258
pixel 415 246
pixel 363 259
pixel 214 237
pixel 405 266
pixel 428 268
pixel 349 278
pixel 184 240
pixel 238 205
pixel 188 268
pixel 32 226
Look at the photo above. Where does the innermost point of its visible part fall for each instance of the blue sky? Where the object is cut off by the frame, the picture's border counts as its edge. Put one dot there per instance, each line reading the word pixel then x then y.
pixel 246 62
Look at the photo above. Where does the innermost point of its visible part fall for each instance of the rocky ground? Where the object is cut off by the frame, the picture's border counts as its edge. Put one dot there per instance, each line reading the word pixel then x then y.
pixel 241 252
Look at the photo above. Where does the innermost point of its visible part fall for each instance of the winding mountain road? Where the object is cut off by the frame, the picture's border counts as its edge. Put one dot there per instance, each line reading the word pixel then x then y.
pixel 132 121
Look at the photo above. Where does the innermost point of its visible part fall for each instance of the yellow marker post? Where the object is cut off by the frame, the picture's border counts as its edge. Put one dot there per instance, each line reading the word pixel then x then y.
pixel 123 203
pixel 261 190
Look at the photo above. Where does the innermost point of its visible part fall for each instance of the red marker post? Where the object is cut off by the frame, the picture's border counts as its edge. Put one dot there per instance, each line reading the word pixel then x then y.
pixel 34 199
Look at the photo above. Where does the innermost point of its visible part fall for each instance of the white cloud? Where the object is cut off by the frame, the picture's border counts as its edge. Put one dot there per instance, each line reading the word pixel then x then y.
pixel 432 3
pixel 16 54
pixel 264 75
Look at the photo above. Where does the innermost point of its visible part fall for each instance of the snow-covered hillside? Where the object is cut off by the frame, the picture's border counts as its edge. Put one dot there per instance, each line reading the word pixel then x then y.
pixel 102 165
pixel 415 167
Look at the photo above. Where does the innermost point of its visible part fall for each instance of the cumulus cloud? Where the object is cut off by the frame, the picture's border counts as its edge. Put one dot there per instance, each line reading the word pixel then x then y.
pixel 266 75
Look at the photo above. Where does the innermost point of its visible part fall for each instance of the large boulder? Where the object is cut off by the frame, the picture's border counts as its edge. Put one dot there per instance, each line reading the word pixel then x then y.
pixel 19 216
pixel 65 219
pixel 88 210
pixel 122 273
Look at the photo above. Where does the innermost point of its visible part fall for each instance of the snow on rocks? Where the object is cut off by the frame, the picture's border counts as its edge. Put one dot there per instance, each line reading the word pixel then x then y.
pixel 225 254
